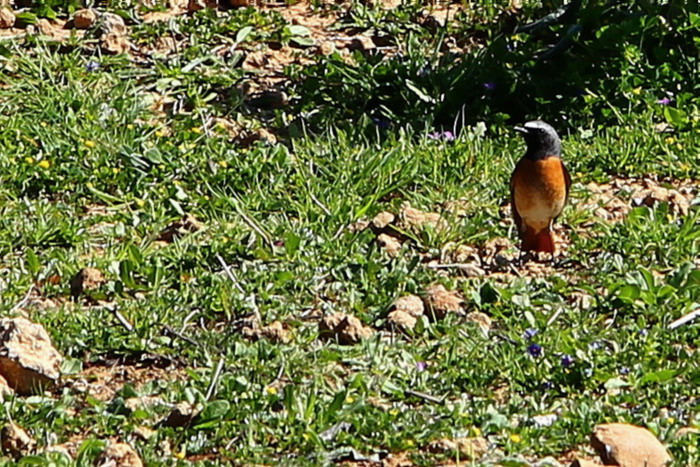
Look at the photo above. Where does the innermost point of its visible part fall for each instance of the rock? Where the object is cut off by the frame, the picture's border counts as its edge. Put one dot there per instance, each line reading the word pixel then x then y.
pixel 628 446
pixel 410 304
pixel 466 254
pixel 143 433
pixel 458 207
pixel 85 18
pixel 439 301
pixel 7 18
pixel 260 134
pixel 15 441
pixel 119 455
pixel 28 360
pixel 390 244
pixel 110 23
pixel 402 320
pixel 274 332
pixel 181 415
pixel 86 279
pixel 144 403
pixel 481 319
pixel 186 225
pixel 358 226
pixel 421 219
pixel 112 33
pixel 115 44
pixel 346 329
pixel 465 448
pixel 45 26
pixel 326 48
pixel 382 220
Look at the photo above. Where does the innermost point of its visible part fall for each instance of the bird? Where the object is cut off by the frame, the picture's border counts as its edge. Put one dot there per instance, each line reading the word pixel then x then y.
pixel 539 187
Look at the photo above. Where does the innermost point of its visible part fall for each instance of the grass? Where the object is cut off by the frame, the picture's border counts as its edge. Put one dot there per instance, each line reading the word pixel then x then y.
pixel 91 175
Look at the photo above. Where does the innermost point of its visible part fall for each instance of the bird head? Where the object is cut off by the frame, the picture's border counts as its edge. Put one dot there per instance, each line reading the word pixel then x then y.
pixel 541 139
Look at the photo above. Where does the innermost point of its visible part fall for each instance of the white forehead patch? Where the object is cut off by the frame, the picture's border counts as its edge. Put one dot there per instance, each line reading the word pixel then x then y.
pixel 536 124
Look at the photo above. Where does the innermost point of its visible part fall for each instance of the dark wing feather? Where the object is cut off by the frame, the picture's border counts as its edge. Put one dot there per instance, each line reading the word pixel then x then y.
pixel 516 215
pixel 567 180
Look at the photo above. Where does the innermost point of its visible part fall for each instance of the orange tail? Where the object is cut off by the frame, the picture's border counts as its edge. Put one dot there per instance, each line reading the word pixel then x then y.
pixel 542 241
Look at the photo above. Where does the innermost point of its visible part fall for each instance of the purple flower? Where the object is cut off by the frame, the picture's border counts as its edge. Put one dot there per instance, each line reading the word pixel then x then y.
pixel 441 136
pixel 547 385
pixel 534 350
pixel 664 101
pixel 381 123
pixel 624 370
pixel 530 333
pixel 278 243
pixel 643 332
pixel 567 360
pixel 489 85
pixel 595 345
pixel 92 66
pixel 421 366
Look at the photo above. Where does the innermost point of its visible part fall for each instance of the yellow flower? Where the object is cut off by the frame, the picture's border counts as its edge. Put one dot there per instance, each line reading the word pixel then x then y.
pixel 350 399
pixel 30 160
pixel 410 443
pixel 514 437
pixel 116 170
pixel 130 126
pixel 223 164
pixel 476 431
pixel 679 146
pixel 159 133
pixel 271 390
pixel 182 453
pixel 139 202
pixel 637 91
pixel 394 412
pixel 671 420
pixel 197 130
pixel 670 140
pixel 89 143
pixel 44 164
pixel 44 124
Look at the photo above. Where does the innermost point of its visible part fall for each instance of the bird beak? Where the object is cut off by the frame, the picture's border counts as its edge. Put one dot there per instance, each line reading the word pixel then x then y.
pixel 520 129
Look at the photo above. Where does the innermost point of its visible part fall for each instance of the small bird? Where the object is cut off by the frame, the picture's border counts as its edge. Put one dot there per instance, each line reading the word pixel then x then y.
pixel 539 187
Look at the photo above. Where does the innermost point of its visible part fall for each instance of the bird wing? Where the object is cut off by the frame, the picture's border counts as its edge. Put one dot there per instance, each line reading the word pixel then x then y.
pixel 516 215
pixel 567 180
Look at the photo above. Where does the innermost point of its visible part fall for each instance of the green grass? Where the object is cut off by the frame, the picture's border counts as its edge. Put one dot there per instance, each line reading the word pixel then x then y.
pixel 278 214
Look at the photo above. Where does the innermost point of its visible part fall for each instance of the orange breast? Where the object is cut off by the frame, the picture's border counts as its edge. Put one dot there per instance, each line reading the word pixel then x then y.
pixel 539 190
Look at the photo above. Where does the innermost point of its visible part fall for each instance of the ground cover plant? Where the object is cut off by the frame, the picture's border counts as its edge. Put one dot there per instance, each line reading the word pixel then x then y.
pixel 294 220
